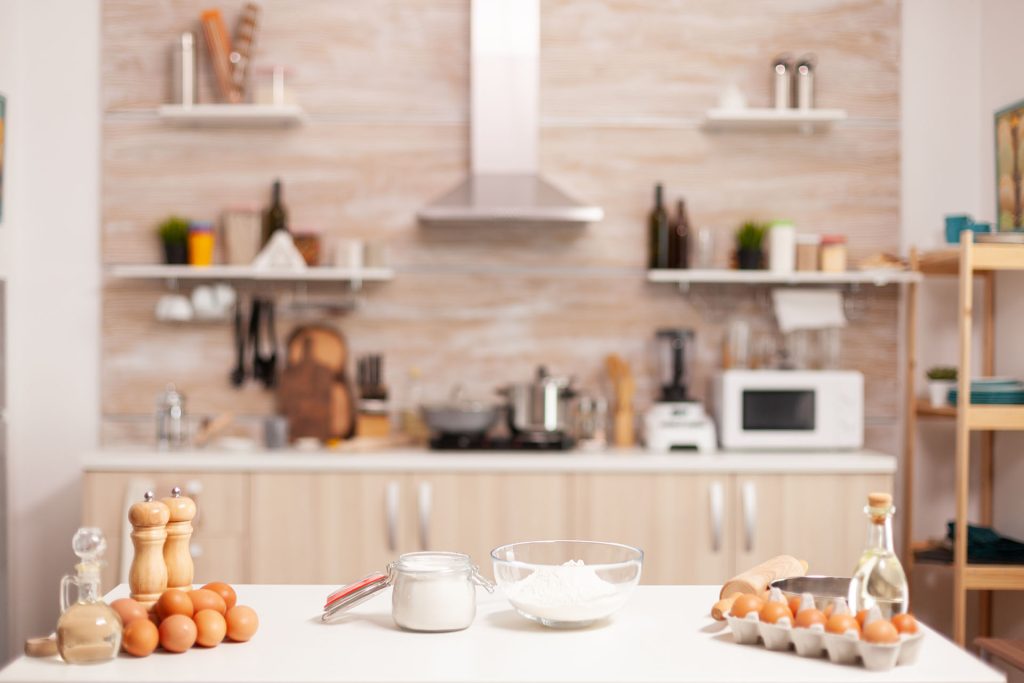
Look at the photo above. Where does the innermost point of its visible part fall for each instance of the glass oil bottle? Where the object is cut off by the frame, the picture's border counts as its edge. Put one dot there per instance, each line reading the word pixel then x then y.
pixel 88 630
pixel 879 578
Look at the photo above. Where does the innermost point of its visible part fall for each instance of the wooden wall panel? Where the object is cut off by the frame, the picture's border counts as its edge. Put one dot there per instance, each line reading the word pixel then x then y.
pixel 386 83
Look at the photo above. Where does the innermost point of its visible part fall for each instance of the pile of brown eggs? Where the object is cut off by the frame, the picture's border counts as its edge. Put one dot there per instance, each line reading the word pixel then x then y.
pixel 181 619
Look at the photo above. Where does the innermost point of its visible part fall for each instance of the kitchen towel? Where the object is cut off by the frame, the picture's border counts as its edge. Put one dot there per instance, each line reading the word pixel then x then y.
pixel 808 309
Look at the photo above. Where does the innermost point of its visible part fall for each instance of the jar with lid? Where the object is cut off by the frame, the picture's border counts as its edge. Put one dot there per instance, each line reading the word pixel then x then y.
pixel 431 591
pixel 833 253
pixel 807 246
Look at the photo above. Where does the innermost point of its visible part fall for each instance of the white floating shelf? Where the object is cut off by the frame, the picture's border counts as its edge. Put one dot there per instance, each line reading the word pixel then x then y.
pixel 243 274
pixel 237 115
pixel 766 277
pixel 773 119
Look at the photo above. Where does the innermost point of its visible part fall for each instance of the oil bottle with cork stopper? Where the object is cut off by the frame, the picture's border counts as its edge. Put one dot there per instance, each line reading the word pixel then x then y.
pixel 147 577
pixel 88 629
pixel 879 578
pixel 177 556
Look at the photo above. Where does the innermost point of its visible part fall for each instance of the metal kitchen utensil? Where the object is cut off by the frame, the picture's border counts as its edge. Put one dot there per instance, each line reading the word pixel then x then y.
pixel 543 407
pixel 825 589
pixel 460 415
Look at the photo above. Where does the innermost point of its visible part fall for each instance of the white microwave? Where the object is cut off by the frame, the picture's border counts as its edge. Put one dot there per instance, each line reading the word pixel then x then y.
pixel 789 409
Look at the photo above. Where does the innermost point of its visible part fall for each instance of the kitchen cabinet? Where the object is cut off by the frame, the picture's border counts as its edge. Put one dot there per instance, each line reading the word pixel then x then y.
pixel 220 529
pixel 813 517
pixel 679 519
pixel 325 528
pixel 473 513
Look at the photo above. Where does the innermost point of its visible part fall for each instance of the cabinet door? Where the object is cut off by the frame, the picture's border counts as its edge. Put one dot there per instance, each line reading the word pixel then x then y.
pixel 679 520
pixel 324 528
pixel 220 529
pixel 816 518
pixel 474 513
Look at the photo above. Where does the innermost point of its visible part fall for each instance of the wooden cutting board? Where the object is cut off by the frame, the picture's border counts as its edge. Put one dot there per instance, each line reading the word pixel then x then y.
pixel 314 393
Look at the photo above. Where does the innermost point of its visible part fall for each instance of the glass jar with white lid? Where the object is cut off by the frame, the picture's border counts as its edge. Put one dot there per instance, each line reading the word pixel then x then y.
pixel 431 591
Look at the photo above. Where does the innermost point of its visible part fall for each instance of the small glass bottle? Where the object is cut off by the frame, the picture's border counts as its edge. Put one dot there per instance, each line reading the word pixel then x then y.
pixel 879 578
pixel 88 630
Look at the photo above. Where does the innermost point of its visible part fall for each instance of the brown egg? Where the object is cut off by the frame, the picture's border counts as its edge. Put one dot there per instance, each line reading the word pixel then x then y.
pixel 794 604
pixel 841 623
pixel 881 631
pixel 223 590
pixel 773 611
pixel 810 617
pixel 174 601
pixel 242 623
pixel 905 623
pixel 211 627
pixel 829 608
pixel 207 599
pixel 177 633
pixel 861 616
pixel 129 610
pixel 140 638
pixel 746 603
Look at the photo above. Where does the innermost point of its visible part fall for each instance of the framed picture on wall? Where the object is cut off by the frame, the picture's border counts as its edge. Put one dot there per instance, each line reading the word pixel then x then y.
pixel 1009 127
pixel 3 123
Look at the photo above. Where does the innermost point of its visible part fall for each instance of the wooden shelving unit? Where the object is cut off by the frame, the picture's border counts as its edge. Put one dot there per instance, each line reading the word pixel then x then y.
pixel 967 262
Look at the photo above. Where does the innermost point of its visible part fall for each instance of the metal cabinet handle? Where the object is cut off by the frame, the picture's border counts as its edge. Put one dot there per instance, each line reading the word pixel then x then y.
pixel 391 514
pixel 425 499
pixel 748 494
pixel 717 499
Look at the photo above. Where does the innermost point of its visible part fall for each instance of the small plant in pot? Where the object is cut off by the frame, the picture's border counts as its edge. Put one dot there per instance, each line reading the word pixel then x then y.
pixel 174 236
pixel 749 245
pixel 940 380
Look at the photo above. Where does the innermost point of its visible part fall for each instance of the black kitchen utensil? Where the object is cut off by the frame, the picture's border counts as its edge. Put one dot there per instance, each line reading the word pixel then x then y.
pixel 238 373
pixel 254 339
pixel 270 360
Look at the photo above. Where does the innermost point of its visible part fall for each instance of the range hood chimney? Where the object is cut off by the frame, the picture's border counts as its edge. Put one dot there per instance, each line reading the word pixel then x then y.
pixel 504 185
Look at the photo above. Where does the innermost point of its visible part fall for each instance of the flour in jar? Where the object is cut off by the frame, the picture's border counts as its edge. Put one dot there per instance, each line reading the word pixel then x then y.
pixel 571 592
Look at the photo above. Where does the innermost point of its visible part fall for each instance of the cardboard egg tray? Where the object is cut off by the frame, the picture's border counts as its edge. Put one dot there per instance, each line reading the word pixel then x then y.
pixel 845 648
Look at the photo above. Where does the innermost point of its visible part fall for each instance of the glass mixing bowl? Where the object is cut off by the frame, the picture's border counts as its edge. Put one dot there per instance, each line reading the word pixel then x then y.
pixel 567 584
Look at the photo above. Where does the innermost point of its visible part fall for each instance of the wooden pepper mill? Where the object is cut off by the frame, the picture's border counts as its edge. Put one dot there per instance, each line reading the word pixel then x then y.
pixel 147 578
pixel 177 555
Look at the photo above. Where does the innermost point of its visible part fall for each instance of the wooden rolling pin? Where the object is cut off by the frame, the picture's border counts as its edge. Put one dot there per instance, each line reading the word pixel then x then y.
pixel 756 580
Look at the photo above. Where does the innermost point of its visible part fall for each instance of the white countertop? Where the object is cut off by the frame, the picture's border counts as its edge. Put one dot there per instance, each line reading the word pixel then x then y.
pixel 664 634
pixel 414 460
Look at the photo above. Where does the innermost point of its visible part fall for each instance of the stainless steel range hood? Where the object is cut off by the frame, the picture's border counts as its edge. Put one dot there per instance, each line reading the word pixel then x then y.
pixel 504 185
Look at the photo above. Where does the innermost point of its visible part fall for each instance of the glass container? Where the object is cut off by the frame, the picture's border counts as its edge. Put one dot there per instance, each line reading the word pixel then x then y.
pixel 879 578
pixel 89 630
pixel 431 591
pixel 672 363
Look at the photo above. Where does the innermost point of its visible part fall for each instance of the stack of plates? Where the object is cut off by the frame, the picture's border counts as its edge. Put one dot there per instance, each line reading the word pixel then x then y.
pixel 994 391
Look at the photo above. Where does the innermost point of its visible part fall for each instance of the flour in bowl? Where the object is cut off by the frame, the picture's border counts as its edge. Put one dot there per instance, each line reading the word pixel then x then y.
pixel 571 592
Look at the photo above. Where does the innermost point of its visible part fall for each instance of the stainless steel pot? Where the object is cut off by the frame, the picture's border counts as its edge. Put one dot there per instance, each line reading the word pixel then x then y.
pixel 541 407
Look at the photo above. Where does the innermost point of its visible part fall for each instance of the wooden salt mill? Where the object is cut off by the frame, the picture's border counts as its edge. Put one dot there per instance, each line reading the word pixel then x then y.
pixel 177 555
pixel 147 578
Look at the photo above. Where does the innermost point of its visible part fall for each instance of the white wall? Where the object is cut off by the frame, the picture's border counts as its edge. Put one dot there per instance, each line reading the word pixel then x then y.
pixel 49 252
pixel 961 62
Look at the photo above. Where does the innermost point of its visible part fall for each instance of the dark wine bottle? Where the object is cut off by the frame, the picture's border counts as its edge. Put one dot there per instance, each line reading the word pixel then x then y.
pixel 680 238
pixel 658 232
pixel 276 216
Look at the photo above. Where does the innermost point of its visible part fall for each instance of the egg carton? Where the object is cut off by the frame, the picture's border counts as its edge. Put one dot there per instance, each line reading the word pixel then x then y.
pixel 845 648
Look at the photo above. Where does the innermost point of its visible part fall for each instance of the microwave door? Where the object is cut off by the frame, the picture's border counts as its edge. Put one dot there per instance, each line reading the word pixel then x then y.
pixel 779 410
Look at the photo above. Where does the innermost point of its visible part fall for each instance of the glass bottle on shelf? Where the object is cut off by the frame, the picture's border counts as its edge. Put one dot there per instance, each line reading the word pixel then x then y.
pixel 879 578
pixel 88 630
pixel 679 239
pixel 658 232
pixel 276 216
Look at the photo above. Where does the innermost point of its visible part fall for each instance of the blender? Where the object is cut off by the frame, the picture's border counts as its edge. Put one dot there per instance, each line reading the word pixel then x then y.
pixel 676 422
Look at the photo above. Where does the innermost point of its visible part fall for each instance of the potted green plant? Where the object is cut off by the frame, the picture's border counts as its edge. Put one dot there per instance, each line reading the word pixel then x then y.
pixel 749 245
pixel 174 236
pixel 941 379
